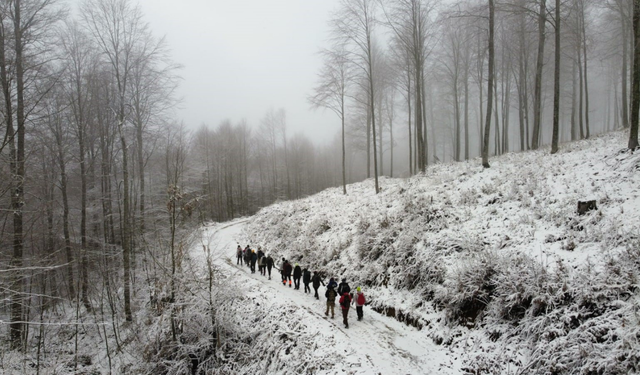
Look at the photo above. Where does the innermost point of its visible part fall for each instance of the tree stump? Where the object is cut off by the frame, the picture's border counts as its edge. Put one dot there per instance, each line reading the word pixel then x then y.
pixel 586 206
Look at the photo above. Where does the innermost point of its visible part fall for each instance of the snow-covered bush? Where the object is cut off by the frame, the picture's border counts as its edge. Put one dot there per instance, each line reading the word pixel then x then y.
pixel 469 287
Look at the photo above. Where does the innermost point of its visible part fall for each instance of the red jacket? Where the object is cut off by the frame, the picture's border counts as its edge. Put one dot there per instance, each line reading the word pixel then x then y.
pixel 345 301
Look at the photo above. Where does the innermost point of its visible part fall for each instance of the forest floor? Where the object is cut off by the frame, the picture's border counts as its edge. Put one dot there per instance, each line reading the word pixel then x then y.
pixel 377 344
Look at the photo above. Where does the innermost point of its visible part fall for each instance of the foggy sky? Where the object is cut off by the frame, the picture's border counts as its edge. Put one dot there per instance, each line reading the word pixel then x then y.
pixel 243 57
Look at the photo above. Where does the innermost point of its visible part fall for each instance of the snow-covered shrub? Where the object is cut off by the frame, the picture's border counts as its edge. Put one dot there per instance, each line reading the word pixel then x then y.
pixel 521 287
pixel 468 197
pixel 469 287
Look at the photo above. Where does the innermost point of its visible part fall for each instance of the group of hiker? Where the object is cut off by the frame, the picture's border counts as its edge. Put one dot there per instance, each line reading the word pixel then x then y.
pixel 343 292
pixel 250 258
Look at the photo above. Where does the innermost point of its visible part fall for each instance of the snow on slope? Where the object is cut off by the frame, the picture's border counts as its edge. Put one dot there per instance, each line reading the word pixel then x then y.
pixel 500 249
pixel 322 345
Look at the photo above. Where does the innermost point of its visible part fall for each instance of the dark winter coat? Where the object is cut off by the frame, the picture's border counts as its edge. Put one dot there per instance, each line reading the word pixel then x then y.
pixel 332 283
pixel 286 269
pixel 345 301
pixel 254 257
pixel 343 288
pixel 331 295
pixel 297 272
pixel 269 261
pixel 316 281
pixel 306 276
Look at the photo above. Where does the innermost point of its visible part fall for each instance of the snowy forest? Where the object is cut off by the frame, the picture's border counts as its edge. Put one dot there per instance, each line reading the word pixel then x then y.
pixel 469 132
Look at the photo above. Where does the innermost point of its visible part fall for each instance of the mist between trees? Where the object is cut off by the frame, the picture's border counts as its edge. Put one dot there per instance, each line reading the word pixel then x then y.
pixel 100 183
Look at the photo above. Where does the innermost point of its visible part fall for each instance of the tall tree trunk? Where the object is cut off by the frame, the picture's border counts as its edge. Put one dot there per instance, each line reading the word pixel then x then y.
pixel 556 85
pixel 496 133
pixel 17 163
pixel 586 71
pixel 635 102
pixel 420 157
pixel 506 94
pixel 369 115
pixel 574 92
pixel 65 209
pixel 456 98
pixel 140 157
pixel 411 165
pixel 424 122
pixel 373 116
pixel 625 57
pixel 487 126
pixel 344 149
pixel 537 103
pixel 580 94
pixel 466 110
pixel 126 230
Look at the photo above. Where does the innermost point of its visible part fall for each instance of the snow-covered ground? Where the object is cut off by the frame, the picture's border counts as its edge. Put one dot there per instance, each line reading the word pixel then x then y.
pixel 494 270
pixel 377 344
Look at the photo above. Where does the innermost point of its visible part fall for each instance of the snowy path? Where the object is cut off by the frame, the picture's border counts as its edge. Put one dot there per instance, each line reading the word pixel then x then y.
pixel 375 345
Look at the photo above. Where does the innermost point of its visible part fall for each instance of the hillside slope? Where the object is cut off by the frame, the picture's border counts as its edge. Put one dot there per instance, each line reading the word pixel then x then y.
pixel 495 263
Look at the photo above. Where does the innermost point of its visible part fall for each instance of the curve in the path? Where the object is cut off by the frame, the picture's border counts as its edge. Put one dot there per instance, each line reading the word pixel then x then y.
pixel 377 344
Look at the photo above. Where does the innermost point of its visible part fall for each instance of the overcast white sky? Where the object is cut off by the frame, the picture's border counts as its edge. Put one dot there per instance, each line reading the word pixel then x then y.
pixel 243 57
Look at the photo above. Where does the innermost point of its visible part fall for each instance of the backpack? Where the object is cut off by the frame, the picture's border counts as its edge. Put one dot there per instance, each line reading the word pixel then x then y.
pixel 361 300
pixel 345 301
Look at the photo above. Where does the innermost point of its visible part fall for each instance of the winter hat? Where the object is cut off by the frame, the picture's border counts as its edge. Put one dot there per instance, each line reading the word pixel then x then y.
pixel 344 280
pixel 358 289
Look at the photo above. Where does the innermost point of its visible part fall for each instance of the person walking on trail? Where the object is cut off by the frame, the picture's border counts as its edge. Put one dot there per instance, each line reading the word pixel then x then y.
pixel 284 279
pixel 344 287
pixel 359 301
pixel 247 256
pixel 262 265
pixel 297 274
pixel 260 253
pixel 345 302
pixel 331 301
pixel 286 268
pixel 332 283
pixel 254 259
pixel 306 279
pixel 269 264
pixel 239 255
pixel 316 280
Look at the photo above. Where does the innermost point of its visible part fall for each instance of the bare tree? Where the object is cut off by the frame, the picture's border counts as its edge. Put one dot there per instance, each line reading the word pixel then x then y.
pixel 354 26
pixel 332 91
pixel 116 27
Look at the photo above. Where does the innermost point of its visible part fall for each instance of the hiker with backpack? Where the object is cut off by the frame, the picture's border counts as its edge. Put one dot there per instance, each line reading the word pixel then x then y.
pixel 306 279
pixel 247 256
pixel 286 273
pixel 332 283
pixel 262 262
pixel 344 287
pixel 239 255
pixel 269 264
pixel 260 253
pixel 345 302
pixel 359 301
pixel 254 259
pixel 316 280
pixel 297 274
pixel 331 295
